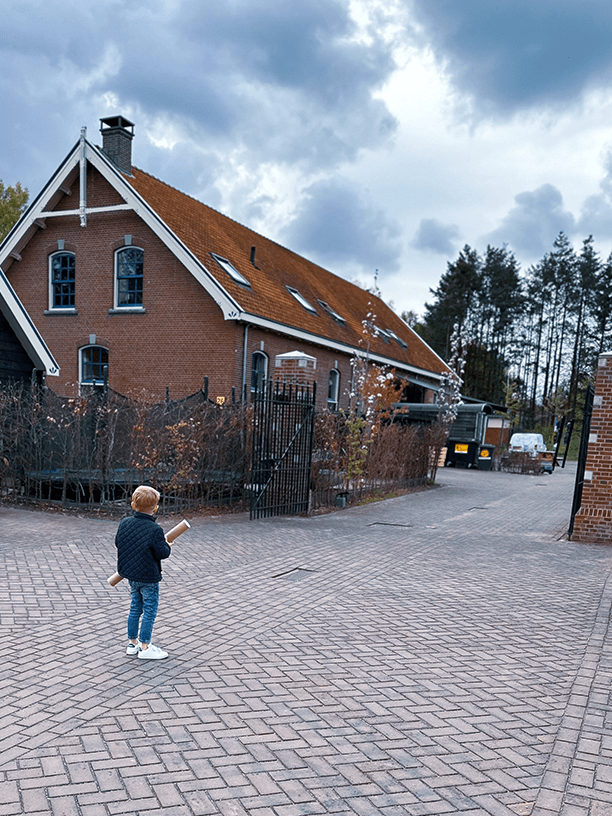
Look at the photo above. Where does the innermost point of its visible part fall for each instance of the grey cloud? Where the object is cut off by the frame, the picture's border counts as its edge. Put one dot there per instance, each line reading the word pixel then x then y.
pixel 434 236
pixel 337 228
pixel 278 81
pixel 534 223
pixel 515 54
pixel 596 217
pixel 596 212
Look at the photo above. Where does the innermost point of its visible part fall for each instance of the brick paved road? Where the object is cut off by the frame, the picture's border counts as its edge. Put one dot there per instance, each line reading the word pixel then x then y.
pixel 443 652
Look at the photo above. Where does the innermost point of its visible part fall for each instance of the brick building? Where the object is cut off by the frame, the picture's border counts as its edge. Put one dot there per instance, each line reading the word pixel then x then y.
pixel 132 282
pixel 593 522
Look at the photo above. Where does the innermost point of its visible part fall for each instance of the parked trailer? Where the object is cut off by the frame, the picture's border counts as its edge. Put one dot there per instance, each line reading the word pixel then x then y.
pixel 466 444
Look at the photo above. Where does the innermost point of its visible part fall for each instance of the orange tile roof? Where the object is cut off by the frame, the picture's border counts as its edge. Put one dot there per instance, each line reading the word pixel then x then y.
pixel 204 230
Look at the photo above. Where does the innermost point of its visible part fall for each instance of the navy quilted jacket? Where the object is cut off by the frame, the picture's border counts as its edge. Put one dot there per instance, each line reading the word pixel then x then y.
pixel 141 546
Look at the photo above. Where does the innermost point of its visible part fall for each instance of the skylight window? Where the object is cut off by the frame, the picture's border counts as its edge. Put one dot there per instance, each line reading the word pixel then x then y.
pixel 331 312
pixel 301 300
pixel 381 333
pixel 397 339
pixel 231 270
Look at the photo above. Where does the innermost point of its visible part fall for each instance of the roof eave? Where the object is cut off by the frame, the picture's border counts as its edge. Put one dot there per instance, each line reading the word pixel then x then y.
pixel 337 345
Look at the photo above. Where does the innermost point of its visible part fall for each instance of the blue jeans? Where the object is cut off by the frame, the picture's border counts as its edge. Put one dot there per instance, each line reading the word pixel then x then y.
pixel 145 598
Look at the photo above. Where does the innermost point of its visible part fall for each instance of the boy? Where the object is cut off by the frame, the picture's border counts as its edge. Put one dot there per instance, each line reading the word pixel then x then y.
pixel 141 546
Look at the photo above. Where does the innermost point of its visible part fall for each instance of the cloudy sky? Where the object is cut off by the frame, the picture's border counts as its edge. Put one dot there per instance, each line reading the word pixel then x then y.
pixel 376 137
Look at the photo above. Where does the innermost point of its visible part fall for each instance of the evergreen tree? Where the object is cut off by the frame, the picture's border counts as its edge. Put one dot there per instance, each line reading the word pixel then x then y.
pixel 601 308
pixel 502 303
pixel 588 272
pixel 456 296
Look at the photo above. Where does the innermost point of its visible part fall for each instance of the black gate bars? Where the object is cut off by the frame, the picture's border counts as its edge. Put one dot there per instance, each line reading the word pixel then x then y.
pixel 283 426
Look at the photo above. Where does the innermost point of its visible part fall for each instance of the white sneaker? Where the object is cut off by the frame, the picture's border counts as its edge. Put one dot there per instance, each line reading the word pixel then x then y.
pixel 132 648
pixel 152 653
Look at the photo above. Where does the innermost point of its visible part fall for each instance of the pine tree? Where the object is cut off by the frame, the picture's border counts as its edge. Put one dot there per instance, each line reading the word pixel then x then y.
pixel 588 272
pixel 601 308
pixel 456 296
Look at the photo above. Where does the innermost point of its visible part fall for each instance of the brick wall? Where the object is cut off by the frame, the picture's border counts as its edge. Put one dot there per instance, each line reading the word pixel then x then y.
pixel 593 522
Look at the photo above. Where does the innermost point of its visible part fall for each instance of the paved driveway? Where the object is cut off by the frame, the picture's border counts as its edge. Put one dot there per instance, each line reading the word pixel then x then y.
pixel 442 652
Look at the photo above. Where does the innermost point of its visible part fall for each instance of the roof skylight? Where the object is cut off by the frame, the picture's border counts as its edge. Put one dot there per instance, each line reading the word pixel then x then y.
pixel 382 333
pixel 230 269
pixel 331 312
pixel 301 299
pixel 397 339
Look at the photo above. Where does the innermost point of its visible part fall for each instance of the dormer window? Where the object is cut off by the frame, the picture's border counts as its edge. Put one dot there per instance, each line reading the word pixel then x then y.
pixel 338 318
pixel 231 270
pixel 301 299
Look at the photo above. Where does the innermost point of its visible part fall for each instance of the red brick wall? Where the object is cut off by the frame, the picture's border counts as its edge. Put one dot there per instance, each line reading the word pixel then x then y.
pixel 593 522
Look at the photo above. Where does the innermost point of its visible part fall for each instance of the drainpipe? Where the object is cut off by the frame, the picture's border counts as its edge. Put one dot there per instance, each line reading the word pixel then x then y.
pixel 244 362
pixel 83 180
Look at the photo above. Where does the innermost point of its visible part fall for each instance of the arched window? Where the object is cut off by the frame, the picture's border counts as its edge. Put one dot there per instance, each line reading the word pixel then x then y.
pixel 259 371
pixel 93 365
pixel 129 269
pixel 62 278
pixel 333 389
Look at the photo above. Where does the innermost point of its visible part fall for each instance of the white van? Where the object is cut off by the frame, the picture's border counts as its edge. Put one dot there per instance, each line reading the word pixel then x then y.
pixel 535 446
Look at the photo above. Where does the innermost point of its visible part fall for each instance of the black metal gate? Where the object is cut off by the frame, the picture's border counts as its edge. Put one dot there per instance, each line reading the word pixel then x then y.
pixel 283 424
pixel 582 454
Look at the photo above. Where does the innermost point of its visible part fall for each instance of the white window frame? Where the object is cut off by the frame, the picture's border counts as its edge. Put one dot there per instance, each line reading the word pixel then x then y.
pixel 130 307
pixel 333 399
pixel 397 339
pixel 338 318
pixel 230 269
pixel 81 352
pixel 301 299
pixel 53 308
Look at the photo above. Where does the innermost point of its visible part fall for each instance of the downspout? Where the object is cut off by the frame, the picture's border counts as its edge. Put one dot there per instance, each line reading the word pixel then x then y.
pixel 244 362
pixel 83 180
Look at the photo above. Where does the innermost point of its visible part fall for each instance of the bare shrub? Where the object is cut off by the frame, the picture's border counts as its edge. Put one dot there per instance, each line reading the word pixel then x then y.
pixel 97 447
pixel 398 456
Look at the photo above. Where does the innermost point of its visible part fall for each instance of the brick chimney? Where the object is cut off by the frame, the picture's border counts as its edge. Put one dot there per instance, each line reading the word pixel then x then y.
pixel 117 134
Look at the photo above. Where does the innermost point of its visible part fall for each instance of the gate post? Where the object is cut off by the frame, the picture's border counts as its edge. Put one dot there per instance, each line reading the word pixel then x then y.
pixel 592 510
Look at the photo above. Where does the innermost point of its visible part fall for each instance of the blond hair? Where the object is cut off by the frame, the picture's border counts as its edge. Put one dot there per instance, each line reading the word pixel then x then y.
pixel 145 498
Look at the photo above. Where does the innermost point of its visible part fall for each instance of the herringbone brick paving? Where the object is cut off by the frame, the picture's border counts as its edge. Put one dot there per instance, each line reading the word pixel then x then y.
pixel 443 652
